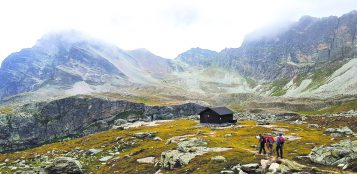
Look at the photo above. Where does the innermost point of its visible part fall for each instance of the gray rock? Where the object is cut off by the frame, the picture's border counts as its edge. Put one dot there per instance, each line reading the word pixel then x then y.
pixel 119 122
pixel 227 172
pixel 250 167
pixel 274 167
pixel 218 159
pixel 41 123
pixel 228 135
pixel 335 154
pixel 93 151
pixel 187 149
pixel 338 132
pixel 190 145
pixel 313 125
pixel 106 158
pixel 142 135
pixel 64 165
pixel 157 139
pixel 146 160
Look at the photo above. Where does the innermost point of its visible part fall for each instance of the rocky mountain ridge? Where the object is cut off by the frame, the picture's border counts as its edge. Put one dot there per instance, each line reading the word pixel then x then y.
pixel 70 59
pixel 40 123
pixel 308 59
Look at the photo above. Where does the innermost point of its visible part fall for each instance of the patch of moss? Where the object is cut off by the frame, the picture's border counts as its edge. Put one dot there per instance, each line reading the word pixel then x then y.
pixel 278 87
pixel 251 82
pixel 6 110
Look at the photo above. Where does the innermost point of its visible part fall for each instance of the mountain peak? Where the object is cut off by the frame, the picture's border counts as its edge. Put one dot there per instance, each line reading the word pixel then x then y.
pixel 68 37
pixel 142 53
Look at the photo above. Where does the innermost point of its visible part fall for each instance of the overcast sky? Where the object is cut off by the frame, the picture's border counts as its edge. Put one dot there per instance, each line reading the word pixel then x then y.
pixel 165 27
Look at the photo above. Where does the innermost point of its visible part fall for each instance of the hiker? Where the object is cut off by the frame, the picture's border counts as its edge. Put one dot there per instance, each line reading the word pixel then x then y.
pixel 262 144
pixel 279 145
pixel 269 142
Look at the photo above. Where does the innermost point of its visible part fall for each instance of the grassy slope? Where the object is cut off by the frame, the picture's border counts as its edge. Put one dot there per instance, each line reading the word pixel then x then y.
pixel 318 75
pixel 241 142
pixel 343 107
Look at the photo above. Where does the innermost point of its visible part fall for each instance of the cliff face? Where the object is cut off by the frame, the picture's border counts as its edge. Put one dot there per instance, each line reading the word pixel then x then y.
pixel 304 45
pixel 299 48
pixel 75 117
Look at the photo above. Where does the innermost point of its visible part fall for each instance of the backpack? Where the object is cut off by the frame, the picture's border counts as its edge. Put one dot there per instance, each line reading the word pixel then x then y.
pixel 280 140
pixel 262 139
pixel 270 140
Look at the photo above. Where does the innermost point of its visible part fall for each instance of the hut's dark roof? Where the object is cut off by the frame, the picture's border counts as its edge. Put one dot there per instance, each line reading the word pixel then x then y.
pixel 219 110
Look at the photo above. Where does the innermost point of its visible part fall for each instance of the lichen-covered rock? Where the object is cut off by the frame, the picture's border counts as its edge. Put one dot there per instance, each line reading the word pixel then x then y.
pixel 292 165
pixel 64 165
pixel 250 167
pixel 187 149
pixel 335 154
pixel 119 122
pixel 343 131
pixel 190 145
pixel 142 135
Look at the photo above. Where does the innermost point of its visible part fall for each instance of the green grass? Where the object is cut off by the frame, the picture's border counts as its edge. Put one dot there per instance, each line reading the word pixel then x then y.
pixel 251 82
pixel 320 74
pixel 278 87
pixel 237 107
pixel 343 107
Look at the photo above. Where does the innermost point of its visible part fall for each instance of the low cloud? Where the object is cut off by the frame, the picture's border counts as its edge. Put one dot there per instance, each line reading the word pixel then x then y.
pixel 165 27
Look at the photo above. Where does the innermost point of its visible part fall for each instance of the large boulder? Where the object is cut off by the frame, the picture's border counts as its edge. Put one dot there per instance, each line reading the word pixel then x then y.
pixel 338 132
pixel 64 165
pixel 187 149
pixel 190 145
pixel 142 135
pixel 335 154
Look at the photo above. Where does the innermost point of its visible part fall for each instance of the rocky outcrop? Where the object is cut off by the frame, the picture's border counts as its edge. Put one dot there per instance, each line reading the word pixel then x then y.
pixel 339 132
pixel 271 165
pixel 335 154
pixel 78 116
pixel 198 57
pixel 64 165
pixel 187 149
pixel 285 54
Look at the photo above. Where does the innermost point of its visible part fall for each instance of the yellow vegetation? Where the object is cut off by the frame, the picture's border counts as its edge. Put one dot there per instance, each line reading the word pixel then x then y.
pixel 243 137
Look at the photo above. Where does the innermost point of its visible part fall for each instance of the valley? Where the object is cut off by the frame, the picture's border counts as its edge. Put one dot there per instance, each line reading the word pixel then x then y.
pixel 124 148
pixel 76 104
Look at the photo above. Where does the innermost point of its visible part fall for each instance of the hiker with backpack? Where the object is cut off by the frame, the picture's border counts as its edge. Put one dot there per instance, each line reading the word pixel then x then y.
pixel 270 143
pixel 279 145
pixel 262 144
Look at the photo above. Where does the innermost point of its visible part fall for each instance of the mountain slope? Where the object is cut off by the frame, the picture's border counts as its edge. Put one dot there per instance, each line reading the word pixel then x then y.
pixel 198 57
pixel 299 61
pixel 306 53
pixel 70 59
pixel 304 44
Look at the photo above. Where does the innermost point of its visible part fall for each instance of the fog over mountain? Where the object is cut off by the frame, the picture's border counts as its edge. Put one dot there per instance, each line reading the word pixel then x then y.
pixel 167 28
pixel 75 63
